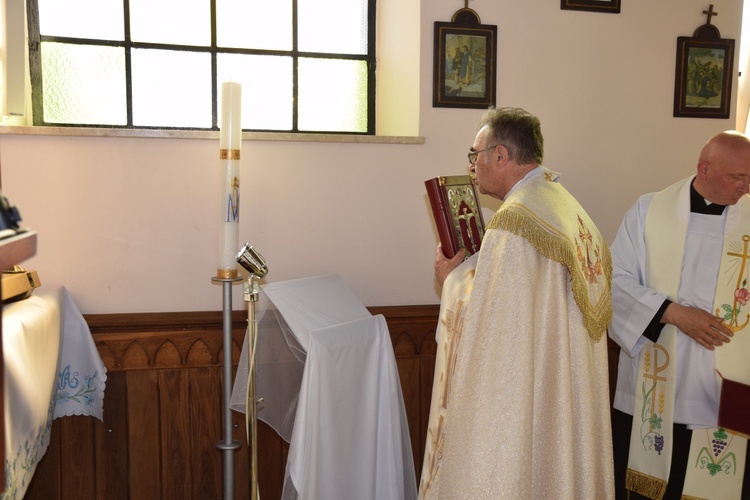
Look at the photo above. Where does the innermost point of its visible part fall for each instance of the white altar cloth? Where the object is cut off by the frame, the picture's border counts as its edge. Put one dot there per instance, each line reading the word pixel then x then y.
pixel 82 375
pixel 47 349
pixel 350 436
pixel 31 345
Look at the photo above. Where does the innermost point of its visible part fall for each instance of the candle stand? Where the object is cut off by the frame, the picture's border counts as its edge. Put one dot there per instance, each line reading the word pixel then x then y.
pixel 228 445
pixel 230 146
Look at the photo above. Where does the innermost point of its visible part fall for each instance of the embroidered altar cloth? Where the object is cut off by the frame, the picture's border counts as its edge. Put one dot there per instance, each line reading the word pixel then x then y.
pixel 52 369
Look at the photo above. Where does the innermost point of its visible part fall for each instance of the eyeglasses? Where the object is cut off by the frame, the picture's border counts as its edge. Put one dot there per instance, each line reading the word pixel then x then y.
pixel 473 155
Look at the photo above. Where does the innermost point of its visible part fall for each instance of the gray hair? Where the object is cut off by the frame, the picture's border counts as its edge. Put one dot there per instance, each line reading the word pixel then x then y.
pixel 516 129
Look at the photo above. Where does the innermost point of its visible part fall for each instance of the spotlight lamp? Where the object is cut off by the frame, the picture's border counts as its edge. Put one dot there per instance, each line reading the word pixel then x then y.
pixel 249 258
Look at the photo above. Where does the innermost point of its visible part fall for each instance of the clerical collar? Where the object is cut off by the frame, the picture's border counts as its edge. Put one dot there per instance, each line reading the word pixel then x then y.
pixel 699 205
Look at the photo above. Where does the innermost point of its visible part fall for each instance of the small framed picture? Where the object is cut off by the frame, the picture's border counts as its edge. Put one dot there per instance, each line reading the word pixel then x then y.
pixel 464 70
pixel 703 77
pixel 609 6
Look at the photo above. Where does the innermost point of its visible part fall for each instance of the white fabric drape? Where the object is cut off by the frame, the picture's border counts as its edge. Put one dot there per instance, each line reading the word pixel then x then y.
pixel 350 438
pixel 328 378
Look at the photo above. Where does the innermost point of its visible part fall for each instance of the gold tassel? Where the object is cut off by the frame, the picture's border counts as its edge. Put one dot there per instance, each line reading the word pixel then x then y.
pixel 554 245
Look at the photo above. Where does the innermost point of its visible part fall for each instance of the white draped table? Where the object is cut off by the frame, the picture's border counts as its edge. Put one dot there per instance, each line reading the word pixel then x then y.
pixel 52 369
pixel 330 387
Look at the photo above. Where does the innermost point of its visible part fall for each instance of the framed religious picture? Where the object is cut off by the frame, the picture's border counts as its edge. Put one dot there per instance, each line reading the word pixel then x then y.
pixel 465 65
pixel 610 6
pixel 703 76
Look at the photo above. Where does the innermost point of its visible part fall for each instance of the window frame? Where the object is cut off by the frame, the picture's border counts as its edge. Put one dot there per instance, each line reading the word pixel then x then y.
pixel 36 77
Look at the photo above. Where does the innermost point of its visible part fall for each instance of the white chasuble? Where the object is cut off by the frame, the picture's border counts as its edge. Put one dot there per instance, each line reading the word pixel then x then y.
pixel 528 402
pixel 716 460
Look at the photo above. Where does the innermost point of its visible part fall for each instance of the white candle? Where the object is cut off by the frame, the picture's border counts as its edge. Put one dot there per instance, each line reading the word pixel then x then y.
pixel 230 145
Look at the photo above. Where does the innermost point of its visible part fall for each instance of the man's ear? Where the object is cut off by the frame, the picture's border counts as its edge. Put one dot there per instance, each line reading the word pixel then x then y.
pixel 703 169
pixel 503 151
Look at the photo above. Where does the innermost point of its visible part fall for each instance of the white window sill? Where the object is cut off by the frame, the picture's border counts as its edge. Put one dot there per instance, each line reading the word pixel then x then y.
pixel 206 134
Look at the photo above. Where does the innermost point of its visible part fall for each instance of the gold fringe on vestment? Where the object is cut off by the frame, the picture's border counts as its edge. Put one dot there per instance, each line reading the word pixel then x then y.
pixel 551 243
pixel 643 484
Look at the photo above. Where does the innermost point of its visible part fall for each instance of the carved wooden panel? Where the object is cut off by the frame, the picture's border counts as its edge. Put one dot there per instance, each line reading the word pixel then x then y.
pixel 163 410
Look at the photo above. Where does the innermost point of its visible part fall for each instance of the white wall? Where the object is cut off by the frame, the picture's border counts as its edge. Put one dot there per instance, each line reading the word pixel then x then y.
pixel 129 225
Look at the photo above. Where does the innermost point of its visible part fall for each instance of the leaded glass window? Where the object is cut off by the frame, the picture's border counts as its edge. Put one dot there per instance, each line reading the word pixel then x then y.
pixel 304 65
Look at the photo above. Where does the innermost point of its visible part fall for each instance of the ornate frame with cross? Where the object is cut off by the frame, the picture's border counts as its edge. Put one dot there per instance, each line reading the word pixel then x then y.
pixel 465 62
pixel 704 73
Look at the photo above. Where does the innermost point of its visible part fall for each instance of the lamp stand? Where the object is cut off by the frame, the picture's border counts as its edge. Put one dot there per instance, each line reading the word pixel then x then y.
pixel 251 415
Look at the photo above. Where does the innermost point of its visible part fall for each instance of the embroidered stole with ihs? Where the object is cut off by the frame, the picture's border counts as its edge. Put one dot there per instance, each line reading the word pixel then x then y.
pixel 717 456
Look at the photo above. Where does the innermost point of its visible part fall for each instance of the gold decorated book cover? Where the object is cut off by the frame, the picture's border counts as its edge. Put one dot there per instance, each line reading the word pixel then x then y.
pixel 455 208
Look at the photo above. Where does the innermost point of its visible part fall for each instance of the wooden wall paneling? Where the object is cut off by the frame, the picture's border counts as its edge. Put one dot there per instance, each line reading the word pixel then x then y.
pixel 272 453
pixel 408 372
pixel 144 443
pixel 412 330
pixel 164 379
pixel 77 458
pixel 111 441
pixel 242 456
pixel 406 353
pixel 174 398
pixel 49 469
pixel 206 430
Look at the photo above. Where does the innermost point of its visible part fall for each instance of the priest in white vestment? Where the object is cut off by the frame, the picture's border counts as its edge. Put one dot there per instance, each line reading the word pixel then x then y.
pixel 520 404
pixel 679 292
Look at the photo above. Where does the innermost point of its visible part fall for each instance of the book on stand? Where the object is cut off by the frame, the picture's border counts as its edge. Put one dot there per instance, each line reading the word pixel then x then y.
pixel 457 214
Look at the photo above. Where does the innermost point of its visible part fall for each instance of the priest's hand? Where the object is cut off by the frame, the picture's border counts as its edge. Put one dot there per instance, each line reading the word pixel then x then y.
pixel 444 265
pixel 703 327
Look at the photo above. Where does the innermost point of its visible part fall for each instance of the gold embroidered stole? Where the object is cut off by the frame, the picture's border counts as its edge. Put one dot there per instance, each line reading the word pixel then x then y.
pixel 716 460
pixel 543 212
pixel 653 415
pixel 453 303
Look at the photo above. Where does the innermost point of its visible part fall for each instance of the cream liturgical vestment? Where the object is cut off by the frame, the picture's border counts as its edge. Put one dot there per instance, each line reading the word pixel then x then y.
pixel 520 405
pixel 677 379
